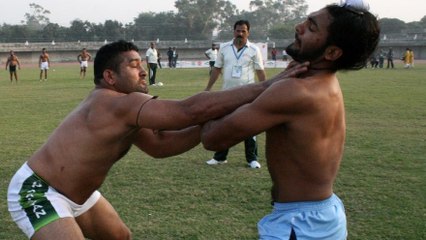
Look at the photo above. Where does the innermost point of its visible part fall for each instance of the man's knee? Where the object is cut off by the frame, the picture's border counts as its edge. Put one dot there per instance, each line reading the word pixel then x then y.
pixel 121 234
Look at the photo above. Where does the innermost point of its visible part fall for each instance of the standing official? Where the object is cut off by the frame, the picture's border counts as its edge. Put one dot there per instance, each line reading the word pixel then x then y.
pixel 152 60
pixel 238 61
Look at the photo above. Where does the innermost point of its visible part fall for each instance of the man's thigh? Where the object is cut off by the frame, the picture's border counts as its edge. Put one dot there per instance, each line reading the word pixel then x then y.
pixel 103 222
pixel 63 228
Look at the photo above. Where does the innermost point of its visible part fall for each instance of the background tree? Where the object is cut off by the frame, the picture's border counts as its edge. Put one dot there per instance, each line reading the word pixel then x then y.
pixel 79 30
pixel 15 33
pixel 267 16
pixel 95 32
pixel 391 25
pixel 194 20
pixel 113 30
pixel 53 31
pixel 38 18
pixel 150 26
pixel 282 30
pixel 144 26
pixel 199 18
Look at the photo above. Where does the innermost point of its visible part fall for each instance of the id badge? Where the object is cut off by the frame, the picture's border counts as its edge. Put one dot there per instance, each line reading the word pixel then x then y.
pixel 237 71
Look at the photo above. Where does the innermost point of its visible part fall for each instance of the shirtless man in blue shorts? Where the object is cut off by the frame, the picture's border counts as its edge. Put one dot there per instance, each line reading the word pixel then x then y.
pixel 54 194
pixel 304 120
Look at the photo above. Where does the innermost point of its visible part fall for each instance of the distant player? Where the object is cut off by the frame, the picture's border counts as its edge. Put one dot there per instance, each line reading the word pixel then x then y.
pixel 13 62
pixel 44 63
pixel 83 58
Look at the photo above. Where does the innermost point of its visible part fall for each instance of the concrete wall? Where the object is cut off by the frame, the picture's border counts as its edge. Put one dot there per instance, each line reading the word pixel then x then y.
pixel 190 50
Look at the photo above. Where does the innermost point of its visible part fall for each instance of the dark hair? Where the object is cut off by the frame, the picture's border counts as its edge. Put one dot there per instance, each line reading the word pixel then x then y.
pixel 356 32
pixel 108 57
pixel 242 22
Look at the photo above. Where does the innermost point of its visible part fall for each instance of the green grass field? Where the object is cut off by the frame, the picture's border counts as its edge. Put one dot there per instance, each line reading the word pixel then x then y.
pixel 382 180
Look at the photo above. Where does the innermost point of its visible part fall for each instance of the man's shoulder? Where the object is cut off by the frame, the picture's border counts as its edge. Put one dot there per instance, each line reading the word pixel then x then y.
pixel 226 44
pixel 226 47
pixel 252 46
pixel 296 90
pixel 105 94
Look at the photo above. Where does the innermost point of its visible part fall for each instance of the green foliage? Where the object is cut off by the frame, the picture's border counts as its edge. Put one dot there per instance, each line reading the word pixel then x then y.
pixel 200 17
pixel 38 18
pixel 381 180
pixel 195 19
pixel 150 26
pixel 267 17
pixel 282 31
pixel 391 25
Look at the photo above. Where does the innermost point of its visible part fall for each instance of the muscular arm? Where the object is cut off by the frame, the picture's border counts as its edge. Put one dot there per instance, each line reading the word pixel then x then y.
pixel 161 144
pixel 197 109
pixel 248 120
pixel 274 106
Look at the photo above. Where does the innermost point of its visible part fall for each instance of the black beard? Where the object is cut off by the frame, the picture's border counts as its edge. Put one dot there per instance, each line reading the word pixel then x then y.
pixel 307 56
pixel 293 53
pixel 238 40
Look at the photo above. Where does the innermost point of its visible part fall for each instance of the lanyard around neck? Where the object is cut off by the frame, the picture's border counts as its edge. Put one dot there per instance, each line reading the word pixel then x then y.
pixel 238 56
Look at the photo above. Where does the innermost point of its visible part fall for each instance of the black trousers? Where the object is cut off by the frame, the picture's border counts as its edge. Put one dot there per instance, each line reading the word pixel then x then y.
pixel 152 73
pixel 390 62
pixel 250 145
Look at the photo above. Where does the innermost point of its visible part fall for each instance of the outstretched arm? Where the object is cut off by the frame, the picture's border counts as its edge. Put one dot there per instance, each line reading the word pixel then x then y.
pixel 274 106
pixel 161 144
pixel 204 106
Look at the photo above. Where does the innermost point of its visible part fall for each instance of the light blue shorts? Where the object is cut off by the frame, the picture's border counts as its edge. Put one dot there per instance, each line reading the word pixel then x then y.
pixel 305 220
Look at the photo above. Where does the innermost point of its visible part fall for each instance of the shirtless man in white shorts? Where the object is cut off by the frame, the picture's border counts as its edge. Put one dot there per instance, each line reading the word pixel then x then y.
pixel 44 63
pixel 83 58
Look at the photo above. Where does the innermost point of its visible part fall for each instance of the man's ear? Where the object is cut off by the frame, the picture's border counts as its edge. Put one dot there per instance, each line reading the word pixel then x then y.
pixel 332 53
pixel 109 77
